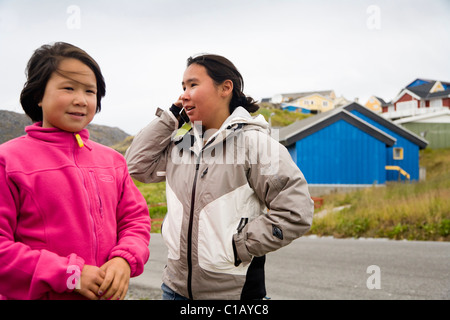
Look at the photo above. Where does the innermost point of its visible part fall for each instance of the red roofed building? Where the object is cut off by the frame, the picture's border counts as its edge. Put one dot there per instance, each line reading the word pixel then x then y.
pixel 419 97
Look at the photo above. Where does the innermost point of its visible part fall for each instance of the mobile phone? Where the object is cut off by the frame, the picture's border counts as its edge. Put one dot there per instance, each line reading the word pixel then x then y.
pixel 184 116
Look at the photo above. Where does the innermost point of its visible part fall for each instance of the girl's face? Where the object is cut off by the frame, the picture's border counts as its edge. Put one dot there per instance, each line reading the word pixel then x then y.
pixel 70 101
pixel 203 100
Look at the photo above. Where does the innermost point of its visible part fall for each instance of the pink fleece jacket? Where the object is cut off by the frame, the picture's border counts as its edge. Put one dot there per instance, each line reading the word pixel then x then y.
pixel 63 206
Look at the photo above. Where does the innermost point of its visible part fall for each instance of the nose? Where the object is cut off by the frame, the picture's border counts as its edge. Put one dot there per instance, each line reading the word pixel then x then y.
pixel 183 99
pixel 80 99
pixel 185 96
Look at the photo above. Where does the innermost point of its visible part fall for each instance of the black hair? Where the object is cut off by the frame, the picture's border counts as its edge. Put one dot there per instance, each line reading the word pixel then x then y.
pixel 220 69
pixel 44 61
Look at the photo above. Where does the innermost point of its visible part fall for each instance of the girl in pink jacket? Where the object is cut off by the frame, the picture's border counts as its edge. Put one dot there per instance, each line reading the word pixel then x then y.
pixel 72 223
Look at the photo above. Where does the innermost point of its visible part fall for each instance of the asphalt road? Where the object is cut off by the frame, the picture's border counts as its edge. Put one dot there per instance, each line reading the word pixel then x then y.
pixel 328 268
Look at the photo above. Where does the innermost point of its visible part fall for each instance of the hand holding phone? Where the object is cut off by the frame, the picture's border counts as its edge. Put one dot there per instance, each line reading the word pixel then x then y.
pixel 179 112
pixel 179 102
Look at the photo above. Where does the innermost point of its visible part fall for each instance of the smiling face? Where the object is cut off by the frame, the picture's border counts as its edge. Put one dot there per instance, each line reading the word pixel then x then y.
pixel 203 100
pixel 70 98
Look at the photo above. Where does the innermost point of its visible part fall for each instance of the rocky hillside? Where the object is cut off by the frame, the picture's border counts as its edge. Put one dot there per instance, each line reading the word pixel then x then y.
pixel 12 125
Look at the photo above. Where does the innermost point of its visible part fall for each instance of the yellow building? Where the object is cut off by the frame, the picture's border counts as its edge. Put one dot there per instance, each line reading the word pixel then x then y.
pixel 315 102
pixel 375 104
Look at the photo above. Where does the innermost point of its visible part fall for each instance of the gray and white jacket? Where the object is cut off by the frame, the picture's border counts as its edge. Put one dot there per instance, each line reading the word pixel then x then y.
pixel 236 196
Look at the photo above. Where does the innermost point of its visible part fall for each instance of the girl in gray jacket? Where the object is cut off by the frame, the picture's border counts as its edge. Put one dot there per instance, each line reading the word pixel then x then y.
pixel 233 192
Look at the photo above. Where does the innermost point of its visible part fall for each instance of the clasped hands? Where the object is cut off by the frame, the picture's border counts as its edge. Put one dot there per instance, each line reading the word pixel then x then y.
pixel 108 282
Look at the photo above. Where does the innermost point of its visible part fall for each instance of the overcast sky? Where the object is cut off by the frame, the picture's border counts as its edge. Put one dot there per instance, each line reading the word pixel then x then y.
pixel 357 48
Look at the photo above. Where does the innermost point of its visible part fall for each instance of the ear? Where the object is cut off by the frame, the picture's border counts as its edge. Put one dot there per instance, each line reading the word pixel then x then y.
pixel 227 88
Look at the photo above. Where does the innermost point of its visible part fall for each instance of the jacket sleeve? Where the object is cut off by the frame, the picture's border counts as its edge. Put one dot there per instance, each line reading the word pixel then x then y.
pixel 27 273
pixel 133 227
pixel 281 186
pixel 147 156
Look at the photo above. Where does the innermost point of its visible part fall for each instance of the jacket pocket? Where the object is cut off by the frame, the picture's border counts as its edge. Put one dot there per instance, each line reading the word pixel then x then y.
pixel 218 223
pixel 97 196
pixel 215 247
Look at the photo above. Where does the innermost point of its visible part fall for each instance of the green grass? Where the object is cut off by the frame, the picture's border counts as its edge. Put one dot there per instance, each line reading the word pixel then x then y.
pixel 155 195
pixel 412 211
pixel 281 118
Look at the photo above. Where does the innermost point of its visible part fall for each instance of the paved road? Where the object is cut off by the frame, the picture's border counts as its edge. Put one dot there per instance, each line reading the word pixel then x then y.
pixel 328 268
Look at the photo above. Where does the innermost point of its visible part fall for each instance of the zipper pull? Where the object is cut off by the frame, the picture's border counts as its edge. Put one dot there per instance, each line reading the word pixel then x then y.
pixel 242 224
pixel 80 142
pixel 204 173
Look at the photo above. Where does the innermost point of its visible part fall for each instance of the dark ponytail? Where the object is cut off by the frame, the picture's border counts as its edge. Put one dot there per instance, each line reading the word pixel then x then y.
pixel 220 69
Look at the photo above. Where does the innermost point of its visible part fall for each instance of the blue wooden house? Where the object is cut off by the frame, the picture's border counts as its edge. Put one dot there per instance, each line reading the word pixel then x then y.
pixel 347 146
pixel 402 159
pixel 292 108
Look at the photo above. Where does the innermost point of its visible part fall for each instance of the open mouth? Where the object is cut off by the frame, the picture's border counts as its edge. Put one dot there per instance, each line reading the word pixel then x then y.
pixel 189 108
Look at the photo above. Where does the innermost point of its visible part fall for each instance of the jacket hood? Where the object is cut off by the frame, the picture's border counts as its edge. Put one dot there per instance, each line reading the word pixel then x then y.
pixel 239 119
pixel 242 116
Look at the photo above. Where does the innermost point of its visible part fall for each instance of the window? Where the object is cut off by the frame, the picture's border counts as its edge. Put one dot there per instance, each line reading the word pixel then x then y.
pixel 407 105
pixel 398 153
pixel 436 103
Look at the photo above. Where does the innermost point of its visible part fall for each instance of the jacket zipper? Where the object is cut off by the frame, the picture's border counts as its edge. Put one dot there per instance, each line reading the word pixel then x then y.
pixel 191 217
pixel 94 232
pixel 191 220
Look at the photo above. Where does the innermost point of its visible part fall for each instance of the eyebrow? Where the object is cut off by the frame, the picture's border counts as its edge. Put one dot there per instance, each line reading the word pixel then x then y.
pixel 189 81
pixel 87 85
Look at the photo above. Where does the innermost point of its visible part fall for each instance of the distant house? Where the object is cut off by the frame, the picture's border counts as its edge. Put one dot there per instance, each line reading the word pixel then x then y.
pixel 288 97
pixel 376 104
pixel 419 97
pixel 314 102
pixel 433 126
pixel 341 101
pixel 336 148
pixel 293 108
pixel 306 102
pixel 404 154
pixel 347 148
